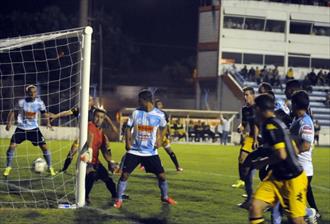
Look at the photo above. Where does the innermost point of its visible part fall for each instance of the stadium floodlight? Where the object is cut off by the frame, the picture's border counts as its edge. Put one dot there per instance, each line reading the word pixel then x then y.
pixel 58 64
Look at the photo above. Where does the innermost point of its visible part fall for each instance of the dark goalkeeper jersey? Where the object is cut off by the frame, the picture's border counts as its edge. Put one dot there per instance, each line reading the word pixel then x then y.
pixel 275 135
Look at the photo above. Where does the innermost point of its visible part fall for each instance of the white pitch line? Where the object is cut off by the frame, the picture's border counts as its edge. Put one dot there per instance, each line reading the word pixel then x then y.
pixel 231 176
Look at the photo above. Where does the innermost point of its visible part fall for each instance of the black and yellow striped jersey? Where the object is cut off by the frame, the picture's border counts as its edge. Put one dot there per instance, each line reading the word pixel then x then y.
pixel 275 136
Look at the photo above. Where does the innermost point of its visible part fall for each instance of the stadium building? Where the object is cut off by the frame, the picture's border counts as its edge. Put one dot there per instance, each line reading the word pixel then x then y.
pixel 237 33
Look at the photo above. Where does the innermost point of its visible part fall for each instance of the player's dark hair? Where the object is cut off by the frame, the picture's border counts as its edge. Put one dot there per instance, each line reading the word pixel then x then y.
pixel 145 95
pixel 265 102
pixel 266 86
pixel 157 101
pixel 291 87
pixel 271 93
pixel 300 100
pixel 248 88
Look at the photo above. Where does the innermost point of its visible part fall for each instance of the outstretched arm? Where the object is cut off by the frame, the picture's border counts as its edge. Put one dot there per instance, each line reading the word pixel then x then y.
pixel 108 119
pixel 10 119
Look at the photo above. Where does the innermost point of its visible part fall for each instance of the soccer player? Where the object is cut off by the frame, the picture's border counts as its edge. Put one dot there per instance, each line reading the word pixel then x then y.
pixel 97 141
pixel 287 182
pixel 75 144
pixel 302 132
pixel 166 144
pixel 143 137
pixel 28 128
pixel 281 109
pixel 249 143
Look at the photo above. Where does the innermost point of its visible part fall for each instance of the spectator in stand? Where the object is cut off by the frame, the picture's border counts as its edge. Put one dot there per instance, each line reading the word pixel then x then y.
pixel 327 99
pixel 320 78
pixel 207 131
pixel 263 74
pixel 307 84
pixel 225 128
pixel 198 130
pixel 289 74
pixel 251 74
pixel 317 128
pixel 257 76
pixel 191 131
pixel 179 131
pixel 312 77
pixel 219 129
pixel 276 77
pixel 328 78
pixel 244 72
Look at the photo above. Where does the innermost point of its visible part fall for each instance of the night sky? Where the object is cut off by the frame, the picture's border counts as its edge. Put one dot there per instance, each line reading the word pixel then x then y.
pixel 154 25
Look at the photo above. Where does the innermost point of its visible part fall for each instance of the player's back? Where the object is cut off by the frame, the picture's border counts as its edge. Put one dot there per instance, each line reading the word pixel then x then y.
pixel 302 129
pixel 275 135
pixel 145 125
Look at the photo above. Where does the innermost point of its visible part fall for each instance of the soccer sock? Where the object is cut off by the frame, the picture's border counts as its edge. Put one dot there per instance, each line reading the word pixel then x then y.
pixel 67 163
pixel 173 158
pixel 258 220
pixel 248 185
pixel 111 187
pixel 276 214
pixel 10 156
pixel 48 157
pixel 121 189
pixel 309 212
pixel 240 170
pixel 310 195
pixel 163 189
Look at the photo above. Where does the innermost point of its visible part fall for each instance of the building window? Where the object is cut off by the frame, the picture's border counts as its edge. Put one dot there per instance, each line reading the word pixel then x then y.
pixel 275 26
pixel 321 30
pixel 232 22
pixel 254 24
pixel 303 62
pixel 253 59
pixel 300 28
pixel 321 63
pixel 274 60
pixel 231 58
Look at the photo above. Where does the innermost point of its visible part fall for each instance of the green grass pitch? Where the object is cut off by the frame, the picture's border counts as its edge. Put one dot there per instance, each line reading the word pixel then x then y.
pixel 203 190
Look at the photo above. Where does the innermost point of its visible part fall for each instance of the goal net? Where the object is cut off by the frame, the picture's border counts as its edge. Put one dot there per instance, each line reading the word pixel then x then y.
pixel 58 64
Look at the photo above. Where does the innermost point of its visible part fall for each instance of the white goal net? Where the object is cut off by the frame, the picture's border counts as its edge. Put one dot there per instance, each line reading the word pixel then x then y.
pixel 56 64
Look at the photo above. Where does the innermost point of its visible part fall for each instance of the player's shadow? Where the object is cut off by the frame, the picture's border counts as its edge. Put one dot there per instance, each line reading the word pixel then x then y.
pixel 159 218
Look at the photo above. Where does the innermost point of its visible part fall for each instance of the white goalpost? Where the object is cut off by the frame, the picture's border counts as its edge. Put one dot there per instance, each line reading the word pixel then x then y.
pixel 58 64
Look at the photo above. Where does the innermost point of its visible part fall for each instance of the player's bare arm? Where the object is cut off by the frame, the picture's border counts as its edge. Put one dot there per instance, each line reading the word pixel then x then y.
pixel 109 121
pixel 10 119
pixel 128 138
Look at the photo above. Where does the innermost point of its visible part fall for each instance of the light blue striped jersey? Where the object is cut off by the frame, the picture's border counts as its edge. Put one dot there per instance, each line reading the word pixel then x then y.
pixel 144 131
pixel 28 111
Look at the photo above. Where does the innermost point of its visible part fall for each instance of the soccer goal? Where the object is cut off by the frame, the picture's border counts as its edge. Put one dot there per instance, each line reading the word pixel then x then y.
pixel 58 65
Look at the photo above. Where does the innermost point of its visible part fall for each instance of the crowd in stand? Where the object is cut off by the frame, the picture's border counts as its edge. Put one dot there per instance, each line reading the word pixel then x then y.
pixel 272 76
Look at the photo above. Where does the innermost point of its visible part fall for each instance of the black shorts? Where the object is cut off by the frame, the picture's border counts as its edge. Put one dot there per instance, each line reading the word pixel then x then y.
pixel 34 136
pixel 316 138
pixel 152 164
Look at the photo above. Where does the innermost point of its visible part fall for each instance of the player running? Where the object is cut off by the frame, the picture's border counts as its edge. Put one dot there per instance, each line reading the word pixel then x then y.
pixel 28 128
pixel 287 182
pixel 97 141
pixel 143 137
pixel 249 131
pixel 166 144
pixel 302 132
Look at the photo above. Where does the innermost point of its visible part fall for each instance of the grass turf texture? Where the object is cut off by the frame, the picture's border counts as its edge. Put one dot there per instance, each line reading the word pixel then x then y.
pixel 203 190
